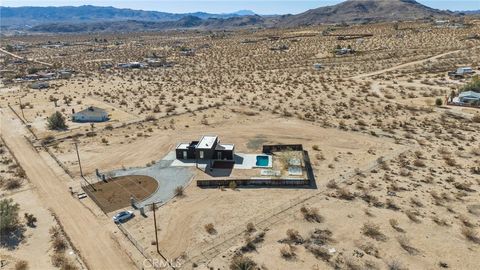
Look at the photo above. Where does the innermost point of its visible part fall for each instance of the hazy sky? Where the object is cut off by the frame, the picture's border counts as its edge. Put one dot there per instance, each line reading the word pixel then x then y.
pixel 216 6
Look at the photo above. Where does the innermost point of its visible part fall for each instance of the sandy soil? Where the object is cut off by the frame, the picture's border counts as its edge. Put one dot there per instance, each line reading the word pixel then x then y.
pixel 96 245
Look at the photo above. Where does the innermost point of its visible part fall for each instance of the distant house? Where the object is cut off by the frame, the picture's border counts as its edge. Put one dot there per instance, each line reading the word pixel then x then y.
pixel 106 66
pixel 317 66
pixel 461 72
pixel 469 97
pixel 90 114
pixel 207 148
pixel 64 74
pixel 344 51
pixel 131 65
pixel 464 70
pixel 39 85
pixel 46 75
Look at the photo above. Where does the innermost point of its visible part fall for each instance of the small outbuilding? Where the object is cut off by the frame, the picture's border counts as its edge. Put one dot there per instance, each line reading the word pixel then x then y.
pixel 90 114
pixel 39 85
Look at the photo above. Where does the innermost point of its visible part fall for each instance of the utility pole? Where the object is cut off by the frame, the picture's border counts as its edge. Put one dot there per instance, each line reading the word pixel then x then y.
pixel 155 224
pixel 78 157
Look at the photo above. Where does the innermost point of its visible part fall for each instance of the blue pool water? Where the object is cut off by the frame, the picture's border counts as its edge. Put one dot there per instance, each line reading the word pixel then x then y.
pixel 262 161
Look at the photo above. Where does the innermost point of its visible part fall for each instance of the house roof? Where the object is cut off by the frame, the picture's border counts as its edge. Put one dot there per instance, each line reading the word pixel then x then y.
pixel 470 94
pixel 92 111
pixel 224 147
pixel 207 142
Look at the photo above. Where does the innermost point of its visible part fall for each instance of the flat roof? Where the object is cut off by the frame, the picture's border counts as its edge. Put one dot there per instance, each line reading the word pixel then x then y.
pixel 206 142
pixel 183 146
pixel 224 146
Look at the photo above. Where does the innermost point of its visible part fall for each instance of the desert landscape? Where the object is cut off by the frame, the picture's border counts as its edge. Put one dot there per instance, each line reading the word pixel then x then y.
pixel 353 146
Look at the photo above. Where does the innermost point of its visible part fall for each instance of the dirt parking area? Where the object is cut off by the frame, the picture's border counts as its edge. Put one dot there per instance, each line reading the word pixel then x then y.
pixel 116 193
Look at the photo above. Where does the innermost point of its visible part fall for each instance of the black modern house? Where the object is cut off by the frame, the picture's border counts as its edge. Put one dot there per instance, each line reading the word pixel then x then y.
pixel 207 148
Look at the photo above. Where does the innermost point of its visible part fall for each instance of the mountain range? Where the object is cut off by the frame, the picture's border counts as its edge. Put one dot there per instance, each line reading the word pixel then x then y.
pixel 100 19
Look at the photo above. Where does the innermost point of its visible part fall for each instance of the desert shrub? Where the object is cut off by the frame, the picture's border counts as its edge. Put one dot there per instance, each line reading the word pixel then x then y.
pixel 250 227
pixel 405 244
pixel 419 163
pixel 439 221
pixel 471 235
pixel 241 262
pixel 56 121
pixel 413 216
pixel 473 85
pixel 179 191
pixel 294 236
pixel 61 261
pixel 21 265
pixel 249 245
pixel 438 102
pixel 466 222
pixel 394 223
pixel 210 228
pixel 370 249
pixel 59 244
pixel 31 219
pixel 232 185
pixel 416 202
pixel 345 194
pixel 476 118
pixel 395 265
pixel 316 147
pixel 391 204
pixel 55 231
pixel 332 184
pixel 311 214
pixel 373 231
pixel 320 237
pixel 9 220
pixel 319 252
pixel 288 252
pixel 14 183
pixel 150 118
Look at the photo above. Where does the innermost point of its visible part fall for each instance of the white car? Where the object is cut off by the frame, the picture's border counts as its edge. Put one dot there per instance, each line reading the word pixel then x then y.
pixel 123 216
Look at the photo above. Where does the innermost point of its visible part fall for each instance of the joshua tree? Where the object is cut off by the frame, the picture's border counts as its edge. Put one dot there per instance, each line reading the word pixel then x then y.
pixel 56 121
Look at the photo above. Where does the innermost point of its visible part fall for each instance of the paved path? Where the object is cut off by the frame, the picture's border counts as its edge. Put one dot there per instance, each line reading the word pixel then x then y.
pixel 378 72
pixel 90 234
pixel 168 178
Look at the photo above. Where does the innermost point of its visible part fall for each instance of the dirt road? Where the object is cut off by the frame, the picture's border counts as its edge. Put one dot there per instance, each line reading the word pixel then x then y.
pixel 90 234
pixel 378 72
pixel 28 59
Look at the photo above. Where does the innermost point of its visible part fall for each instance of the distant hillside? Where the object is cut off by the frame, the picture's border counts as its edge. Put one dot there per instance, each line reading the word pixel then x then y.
pixel 357 11
pixel 21 17
pixel 187 22
pixel 110 19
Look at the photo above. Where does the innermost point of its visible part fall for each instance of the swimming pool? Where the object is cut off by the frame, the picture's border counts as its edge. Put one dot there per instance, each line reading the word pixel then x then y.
pixel 262 161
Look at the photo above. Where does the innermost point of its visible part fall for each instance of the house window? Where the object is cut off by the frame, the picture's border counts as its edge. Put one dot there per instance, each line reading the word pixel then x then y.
pixel 184 154
pixel 201 154
pixel 219 155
